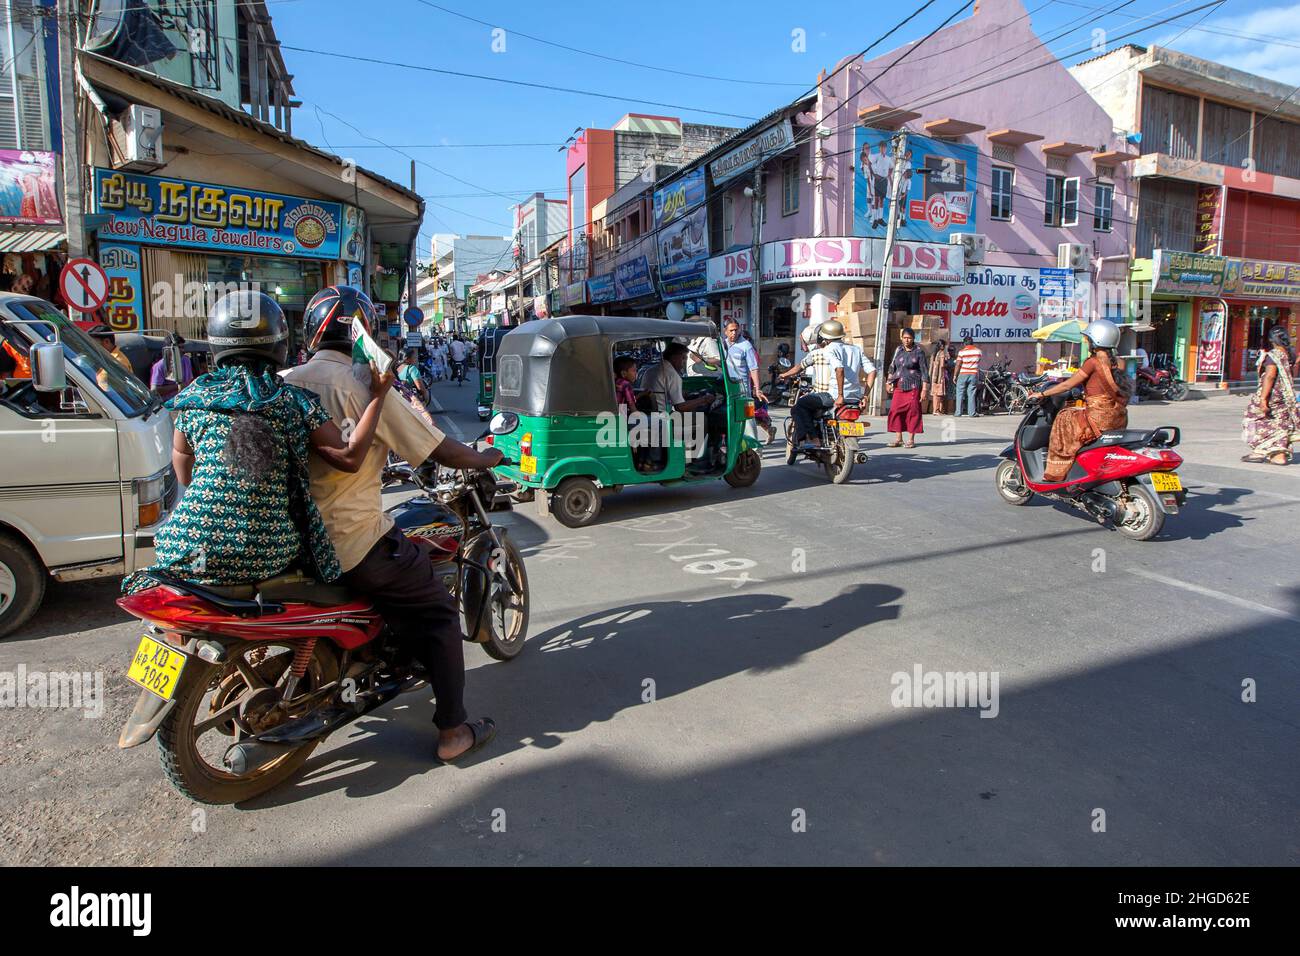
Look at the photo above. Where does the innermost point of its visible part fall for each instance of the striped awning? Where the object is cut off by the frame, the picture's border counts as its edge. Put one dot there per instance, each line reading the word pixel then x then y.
pixel 31 240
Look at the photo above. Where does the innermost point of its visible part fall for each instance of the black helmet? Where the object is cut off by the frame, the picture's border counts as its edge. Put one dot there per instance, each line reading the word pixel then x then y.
pixel 329 315
pixel 1279 337
pixel 247 324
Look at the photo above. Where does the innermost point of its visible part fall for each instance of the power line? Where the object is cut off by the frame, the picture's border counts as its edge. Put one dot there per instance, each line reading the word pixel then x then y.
pixel 602 56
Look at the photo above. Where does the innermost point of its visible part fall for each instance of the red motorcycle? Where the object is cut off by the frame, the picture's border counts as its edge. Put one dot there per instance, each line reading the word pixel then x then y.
pixel 1125 477
pixel 1160 383
pixel 241 684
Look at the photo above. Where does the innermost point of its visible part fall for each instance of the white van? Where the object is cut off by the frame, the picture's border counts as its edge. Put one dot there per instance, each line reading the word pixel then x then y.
pixel 85 470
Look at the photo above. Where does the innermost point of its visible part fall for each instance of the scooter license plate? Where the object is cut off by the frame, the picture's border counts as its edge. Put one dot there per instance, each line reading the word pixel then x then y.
pixel 852 429
pixel 1166 481
pixel 528 464
pixel 157 668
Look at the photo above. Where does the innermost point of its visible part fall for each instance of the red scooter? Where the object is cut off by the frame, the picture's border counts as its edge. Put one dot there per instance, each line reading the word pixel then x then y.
pixel 241 683
pixel 1124 477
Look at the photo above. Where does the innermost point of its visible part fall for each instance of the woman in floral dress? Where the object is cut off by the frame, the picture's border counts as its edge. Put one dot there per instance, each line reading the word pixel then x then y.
pixel 1272 422
pixel 242 436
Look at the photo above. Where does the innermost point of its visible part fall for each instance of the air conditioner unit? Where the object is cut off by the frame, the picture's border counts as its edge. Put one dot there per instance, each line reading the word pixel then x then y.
pixel 142 130
pixel 1075 256
pixel 975 244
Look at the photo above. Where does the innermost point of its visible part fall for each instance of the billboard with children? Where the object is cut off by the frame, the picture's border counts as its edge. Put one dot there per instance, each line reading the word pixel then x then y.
pixel 936 194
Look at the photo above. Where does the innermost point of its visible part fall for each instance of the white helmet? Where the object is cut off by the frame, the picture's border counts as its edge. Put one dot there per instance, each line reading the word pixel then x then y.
pixel 1102 333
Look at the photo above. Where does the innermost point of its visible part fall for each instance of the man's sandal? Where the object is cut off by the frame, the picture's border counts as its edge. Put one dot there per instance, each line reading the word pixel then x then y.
pixel 483 729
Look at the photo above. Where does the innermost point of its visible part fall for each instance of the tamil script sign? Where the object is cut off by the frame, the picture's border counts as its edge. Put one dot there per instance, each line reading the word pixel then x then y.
pixel 1262 279
pixel 632 278
pixel 773 140
pixel 1187 273
pixel 160 210
pixel 678 198
pixel 601 289
pixel 1209 220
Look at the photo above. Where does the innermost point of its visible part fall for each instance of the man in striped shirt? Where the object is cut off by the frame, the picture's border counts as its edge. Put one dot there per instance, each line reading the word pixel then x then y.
pixel 967 373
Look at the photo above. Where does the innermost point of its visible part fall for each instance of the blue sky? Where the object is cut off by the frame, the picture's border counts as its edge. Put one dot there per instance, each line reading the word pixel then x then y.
pixel 750 49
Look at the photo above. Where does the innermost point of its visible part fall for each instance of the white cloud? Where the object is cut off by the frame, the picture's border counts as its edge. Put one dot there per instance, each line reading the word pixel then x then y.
pixel 1271 49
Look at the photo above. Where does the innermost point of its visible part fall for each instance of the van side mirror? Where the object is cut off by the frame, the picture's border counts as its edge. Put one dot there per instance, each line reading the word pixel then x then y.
pixel 172 359
pixel 49 374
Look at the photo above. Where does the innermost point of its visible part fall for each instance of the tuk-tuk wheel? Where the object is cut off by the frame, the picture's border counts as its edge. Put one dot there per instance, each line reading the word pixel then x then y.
pixel 576 502
pixel 745 472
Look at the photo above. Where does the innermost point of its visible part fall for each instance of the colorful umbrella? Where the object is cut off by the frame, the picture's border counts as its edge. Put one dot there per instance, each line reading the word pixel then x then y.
pixel 1071 330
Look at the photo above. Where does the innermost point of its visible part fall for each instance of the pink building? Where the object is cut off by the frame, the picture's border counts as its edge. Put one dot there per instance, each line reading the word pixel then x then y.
pixel 1010 167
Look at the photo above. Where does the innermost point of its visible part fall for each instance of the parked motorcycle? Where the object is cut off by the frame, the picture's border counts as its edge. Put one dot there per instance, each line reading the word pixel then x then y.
pixel 1125 477
pixel 777 389
pixel 240 684
pixel 998 390
pixel 1160 384
pixel 840 431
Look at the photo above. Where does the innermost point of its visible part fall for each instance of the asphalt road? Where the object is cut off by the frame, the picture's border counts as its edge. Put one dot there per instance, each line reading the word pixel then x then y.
pixel 712 677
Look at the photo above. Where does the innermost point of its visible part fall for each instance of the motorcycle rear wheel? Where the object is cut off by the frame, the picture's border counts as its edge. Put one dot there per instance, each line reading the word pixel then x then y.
pixel 1145 518
pixel 183 759
pixel 838 461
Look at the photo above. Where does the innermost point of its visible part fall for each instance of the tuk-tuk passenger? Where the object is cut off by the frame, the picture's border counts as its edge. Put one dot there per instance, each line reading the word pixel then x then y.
pixel 664 383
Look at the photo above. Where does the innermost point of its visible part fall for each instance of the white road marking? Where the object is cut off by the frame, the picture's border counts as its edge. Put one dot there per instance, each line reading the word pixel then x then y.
pixel 1218 595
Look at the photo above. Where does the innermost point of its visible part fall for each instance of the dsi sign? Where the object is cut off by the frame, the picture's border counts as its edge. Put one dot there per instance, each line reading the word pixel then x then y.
pixel 155 210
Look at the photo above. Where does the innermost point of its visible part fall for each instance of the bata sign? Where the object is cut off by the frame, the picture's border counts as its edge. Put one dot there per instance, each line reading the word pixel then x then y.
pixel 998 304
pixel 852 259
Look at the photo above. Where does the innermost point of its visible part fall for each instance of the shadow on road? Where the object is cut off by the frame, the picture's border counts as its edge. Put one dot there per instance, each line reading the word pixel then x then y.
pixel 588 670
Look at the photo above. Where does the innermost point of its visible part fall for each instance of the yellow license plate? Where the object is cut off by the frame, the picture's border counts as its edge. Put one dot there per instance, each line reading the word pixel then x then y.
pixel 528 464
pixel 853 429
pixel 1166 481
pixel 157 668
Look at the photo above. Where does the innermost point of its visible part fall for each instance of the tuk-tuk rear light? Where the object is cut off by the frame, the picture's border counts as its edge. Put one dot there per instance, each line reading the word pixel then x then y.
pixel 526 444
pixel 749 409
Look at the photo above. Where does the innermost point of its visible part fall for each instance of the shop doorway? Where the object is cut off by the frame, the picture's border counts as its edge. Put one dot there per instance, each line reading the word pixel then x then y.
pixel 1249 327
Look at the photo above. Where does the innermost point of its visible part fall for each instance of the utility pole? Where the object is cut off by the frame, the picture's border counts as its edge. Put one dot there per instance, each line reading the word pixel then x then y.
pixel 66 23
pixel 887 271
pixel 519 277
pixel 411 302
pixel 756 260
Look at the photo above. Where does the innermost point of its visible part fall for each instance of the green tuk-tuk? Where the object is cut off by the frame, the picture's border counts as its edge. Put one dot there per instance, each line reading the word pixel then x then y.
pixel 488 342
pixel 573 441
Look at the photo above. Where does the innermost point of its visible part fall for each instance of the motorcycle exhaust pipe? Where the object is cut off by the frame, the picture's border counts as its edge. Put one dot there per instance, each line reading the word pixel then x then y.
pixel 860 458
pixel 249 755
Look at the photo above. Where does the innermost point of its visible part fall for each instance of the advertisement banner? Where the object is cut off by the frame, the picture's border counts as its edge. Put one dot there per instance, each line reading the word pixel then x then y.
pixel 601 289
pixel 683 195
pixel 154 209
pixel 1209 220
pixel 1262 279
pixel 575 293
pixel 773 140
pixel 847 258
pixel 353 241
pixel 28 190
pixel 1186 273
pixel 683 255
pixel 632 278
pixel 1209 351
pixel 124 306
pixel 936 196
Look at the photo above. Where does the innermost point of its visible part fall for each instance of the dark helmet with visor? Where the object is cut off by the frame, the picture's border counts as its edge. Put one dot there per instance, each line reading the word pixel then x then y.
pixel 248 325
pixel 329 315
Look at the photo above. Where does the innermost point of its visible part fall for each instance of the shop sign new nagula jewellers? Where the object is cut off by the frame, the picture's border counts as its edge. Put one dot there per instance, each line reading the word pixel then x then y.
pixel 162 210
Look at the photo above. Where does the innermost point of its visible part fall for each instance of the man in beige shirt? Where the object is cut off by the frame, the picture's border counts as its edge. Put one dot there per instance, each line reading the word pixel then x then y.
pixel 377 559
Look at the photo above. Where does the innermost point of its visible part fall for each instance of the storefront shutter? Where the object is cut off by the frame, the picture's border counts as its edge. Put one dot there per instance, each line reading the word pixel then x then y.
pixel 176 272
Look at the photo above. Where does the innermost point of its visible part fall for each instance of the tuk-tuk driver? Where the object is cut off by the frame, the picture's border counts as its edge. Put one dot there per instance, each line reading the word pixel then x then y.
pixel 665 383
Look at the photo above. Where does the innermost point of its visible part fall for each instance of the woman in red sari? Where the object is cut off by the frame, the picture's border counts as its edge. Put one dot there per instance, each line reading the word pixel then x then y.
pixel 1106 391
pixel 908 383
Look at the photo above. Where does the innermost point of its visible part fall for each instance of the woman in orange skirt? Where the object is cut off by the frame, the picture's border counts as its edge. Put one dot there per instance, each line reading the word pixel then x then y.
pixel 1106 391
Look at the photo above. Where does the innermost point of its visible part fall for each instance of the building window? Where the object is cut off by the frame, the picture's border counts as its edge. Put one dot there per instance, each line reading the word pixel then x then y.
pixel 1103 198
pixel 1061 201
pixel 24 110
pixel 790 187
pixel 1000 193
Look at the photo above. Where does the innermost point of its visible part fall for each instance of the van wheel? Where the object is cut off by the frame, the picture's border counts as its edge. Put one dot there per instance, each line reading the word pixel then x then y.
pixel 576 502
pixel 1011 483
pixel 22 584
pixel 745 471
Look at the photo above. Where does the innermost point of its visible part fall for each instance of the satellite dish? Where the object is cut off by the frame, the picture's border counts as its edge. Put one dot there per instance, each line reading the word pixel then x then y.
pixel 106 18
pixel 676 311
